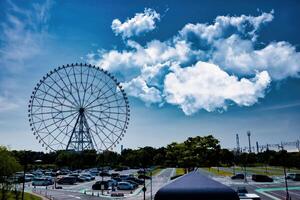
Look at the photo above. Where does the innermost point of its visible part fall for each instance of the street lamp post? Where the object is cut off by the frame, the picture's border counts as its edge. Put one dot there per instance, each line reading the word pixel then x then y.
pixel 24 173
pixel 151 185
pixel 285 178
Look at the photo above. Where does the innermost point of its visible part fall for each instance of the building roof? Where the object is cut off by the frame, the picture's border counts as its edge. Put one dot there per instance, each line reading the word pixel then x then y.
pixel 196 186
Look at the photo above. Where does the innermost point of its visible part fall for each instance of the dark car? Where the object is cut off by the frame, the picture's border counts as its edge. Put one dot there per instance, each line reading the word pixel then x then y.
pixel 241 191
pixel 68 180
pixel 296 177
pixel 104 173
pixel 138 181
pixel 261 178
pixel 238 176
pixel 98 184
pixel 115 175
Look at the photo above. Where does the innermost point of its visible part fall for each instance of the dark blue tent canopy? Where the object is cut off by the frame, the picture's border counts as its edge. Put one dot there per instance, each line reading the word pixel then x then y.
pixel 195 186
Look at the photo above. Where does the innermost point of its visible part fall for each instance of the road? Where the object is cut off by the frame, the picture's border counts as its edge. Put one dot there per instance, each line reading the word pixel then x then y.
pixel 267 191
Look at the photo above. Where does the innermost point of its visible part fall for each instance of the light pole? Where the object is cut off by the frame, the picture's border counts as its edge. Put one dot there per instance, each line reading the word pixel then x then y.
pixel 24 173
pixel 151 185
pixel 285 179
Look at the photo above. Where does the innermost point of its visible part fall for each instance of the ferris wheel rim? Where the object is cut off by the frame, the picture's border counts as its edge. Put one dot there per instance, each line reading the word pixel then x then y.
pixel 74 114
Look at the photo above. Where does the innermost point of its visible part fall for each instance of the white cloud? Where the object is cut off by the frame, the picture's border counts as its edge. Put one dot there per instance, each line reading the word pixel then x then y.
pixel 7 104
pixel 138 87
pixel 22 33
pixel 226 25
pixel 206 86
pixel 280 59
pixel 140 23
pixel 171 71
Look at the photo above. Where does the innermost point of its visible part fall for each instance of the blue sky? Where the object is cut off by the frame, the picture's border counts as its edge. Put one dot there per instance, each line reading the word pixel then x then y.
pixel 190 68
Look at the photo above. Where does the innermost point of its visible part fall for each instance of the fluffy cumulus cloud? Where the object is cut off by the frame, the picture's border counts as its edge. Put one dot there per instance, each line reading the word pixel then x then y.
pixel 203 66
pixel 206 86
pixel 140 23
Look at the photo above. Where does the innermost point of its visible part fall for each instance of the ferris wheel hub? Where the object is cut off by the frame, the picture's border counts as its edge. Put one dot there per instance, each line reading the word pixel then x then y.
pixel 81 110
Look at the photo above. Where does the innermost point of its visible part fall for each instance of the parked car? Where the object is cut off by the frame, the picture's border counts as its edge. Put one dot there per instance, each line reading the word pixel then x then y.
pixel 91 177
pixel 115 175
pixel 296 177
pixel 123 177
pixel 290 176
pixel 49 178
pixel 41 182
pixel 261 178
pixel 104 173
pixel 112 182
pixel 98 184
pixel 125 186
pixel 117 179
pixel 134 184
pixel 249 196
pixel 82 179
pixel 238 176
pixel 138 181
pixel 69 180
pixel 242 191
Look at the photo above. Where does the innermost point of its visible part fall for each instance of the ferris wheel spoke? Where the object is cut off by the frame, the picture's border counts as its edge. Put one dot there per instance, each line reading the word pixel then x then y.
pixel 71 84
pixel 57 103
pixel 85 87
pixel 99 92
pixel 77 88
pixel 102 104
pixel 68 91
pixel 96 127
pixel 95 143
pixel 50 107
pixel 45 127
pixel 100 111
pixel 57 92
pixel 102 119
pixel 86 83
pixel 66 126
pixel 47 113
pixel 97 134
pixel 109 117
pixel 106 136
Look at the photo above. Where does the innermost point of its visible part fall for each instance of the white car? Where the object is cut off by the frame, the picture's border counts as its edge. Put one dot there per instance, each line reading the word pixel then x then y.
pixel 249 196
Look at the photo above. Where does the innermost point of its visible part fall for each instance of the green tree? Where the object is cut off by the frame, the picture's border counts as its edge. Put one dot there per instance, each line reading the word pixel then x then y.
pixel 8 166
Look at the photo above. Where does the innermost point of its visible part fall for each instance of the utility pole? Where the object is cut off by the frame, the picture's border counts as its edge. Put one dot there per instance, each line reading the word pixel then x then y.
pixel 249 134
pixel 237 144
pixel 285 179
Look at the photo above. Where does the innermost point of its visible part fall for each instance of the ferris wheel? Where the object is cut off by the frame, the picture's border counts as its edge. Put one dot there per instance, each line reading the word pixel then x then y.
pixel 78 107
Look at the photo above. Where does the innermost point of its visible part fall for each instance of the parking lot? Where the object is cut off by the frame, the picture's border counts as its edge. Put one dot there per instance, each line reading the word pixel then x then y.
pixel 84 190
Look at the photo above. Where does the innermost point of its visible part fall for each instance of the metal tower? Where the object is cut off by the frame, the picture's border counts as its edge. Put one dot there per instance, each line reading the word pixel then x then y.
pixel 249 135
pixel 238 150
pixel 80 138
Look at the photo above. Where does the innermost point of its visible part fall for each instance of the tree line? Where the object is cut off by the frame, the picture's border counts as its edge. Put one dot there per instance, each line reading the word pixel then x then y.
pixel 199 151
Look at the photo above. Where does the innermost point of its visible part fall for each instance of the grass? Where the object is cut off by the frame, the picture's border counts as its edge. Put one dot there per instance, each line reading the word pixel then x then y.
pixel 180 171
pixel 156 171
pixel 217 172
pixel 271 171
pixel 27 196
